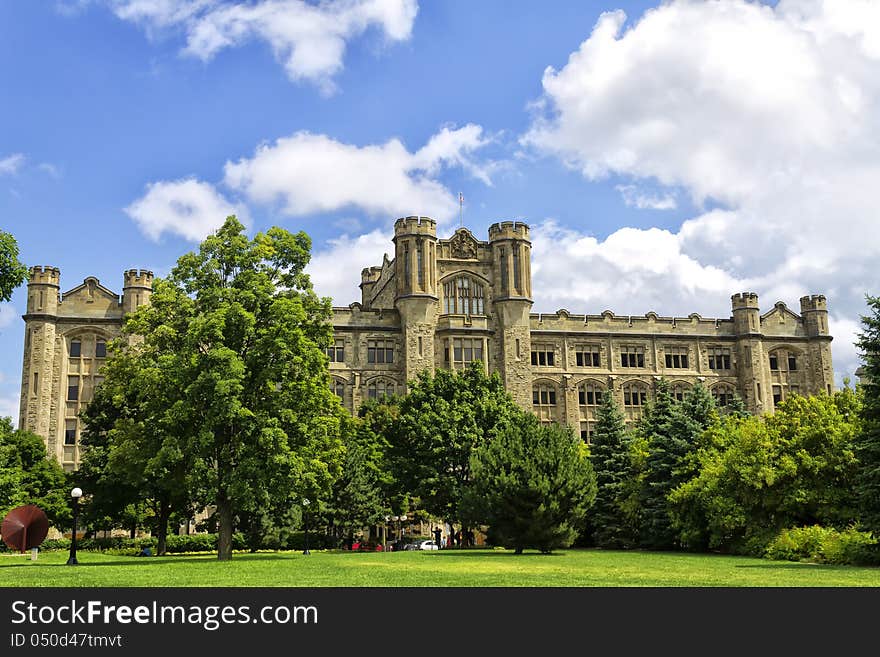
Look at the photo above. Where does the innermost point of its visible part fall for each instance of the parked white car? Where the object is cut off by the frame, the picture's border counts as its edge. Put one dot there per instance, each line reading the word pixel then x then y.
pixel 428 545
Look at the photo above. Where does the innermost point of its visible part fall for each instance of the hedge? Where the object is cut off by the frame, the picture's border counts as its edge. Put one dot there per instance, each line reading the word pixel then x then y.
pixel 819 544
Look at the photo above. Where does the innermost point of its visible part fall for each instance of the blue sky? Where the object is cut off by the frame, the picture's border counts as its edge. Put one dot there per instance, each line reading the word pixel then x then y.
pixel 676 153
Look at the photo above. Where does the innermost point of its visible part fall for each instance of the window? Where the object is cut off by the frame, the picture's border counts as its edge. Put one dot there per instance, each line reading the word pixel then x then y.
pixel 380 351
pixel 72 388
pixel 632 356
pixel 100 348
pixel 338 387
pixel 792 363
pixel 774 362
pixel 465 350
pixel 419 271
pixel 586 431
pixel 777 395
pixel 677 357
pixel 406 264
pixel 794 390
pixel 719 358
pixel 504 285
pixel 544 401
pixel 678 390
pixel 516 269
pixel 36 383
pixel 589 394
pixel 336 352
pixel 723 395
pixel 783 356
pixel 75 348
pixel 587 355
pixel 635 394
pixel 70 432
pixel 379 389
pixel 463 296
pixel 543 354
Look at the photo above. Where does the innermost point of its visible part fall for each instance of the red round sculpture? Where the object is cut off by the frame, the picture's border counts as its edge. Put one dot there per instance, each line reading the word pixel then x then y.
pixel 24 527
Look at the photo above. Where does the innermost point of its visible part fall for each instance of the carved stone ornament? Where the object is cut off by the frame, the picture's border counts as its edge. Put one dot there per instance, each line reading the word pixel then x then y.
pixel 463 245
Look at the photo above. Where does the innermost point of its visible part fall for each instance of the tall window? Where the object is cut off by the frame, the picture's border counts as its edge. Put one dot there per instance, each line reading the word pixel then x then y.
pixel 517 276
pixel 75 348
pixel 463 296
pixel 464 351
pixel 543 354
pixel 380 351
pixel 676 357
pixel 336 351
pixel 777 395
pixel 338 387
pixel 406 265
pixel 544 402
pixel 678 390
pixel 723 394
pixel 72 388
pixel 419 271
pixel 632 356
pixel 589 398
pixel 379 388
pixel 635 397
pixel 504 285
pixel 587 355
pixel 70 432
pixel 719 358
pixel 100 348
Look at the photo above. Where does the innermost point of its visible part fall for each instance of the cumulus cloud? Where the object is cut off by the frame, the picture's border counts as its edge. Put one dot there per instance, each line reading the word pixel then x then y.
pixel 773 113
pixel 310 173
pixel 308 39
pixel 11 164
pixel 635 197
pixel 336 268
pixel 189 208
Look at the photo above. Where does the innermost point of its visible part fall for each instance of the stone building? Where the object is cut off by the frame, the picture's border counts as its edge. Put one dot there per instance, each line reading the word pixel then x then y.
pixel 65 344
pixel 442 303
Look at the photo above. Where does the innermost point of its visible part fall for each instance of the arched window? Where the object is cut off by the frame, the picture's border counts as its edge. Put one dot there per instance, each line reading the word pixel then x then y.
pixel 338 387
pixel 544 401
pixel 463 295
pixel 635 397
pixel 589 398
pixel 723 394
pixel 378 388
pixel 678 391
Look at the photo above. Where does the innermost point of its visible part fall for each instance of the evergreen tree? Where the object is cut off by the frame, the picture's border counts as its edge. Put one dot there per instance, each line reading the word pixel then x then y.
pixel 609 455
pixel 657 427
pixel 532 484
pixel 868 440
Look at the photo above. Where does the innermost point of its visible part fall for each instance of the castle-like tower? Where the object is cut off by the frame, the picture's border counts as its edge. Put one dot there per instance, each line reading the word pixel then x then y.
pixel 65 345
pixel 442 303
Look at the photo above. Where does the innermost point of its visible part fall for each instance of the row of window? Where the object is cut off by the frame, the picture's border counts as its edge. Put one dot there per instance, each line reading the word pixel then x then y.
pixel 635 393
pixel 76 349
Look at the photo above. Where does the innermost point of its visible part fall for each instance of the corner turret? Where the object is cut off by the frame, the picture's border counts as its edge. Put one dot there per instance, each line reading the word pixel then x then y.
pixel 137 289
pixel 44 285
pixel 511 249
pixel 415 242
pixel 746 313
pixel 814 311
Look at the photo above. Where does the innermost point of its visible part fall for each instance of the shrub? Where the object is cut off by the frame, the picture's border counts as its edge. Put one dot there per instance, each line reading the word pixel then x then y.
pixel 819 544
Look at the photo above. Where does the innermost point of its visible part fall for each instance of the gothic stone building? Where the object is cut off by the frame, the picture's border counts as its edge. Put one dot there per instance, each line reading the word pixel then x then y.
pixel 442 303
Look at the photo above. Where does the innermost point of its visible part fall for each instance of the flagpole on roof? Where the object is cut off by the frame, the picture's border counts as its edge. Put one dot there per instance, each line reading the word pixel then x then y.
pixel 460 210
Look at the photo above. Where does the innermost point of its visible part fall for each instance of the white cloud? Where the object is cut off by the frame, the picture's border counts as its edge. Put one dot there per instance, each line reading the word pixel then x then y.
pixel 11 164
pixel 773 112
pixel 336 269
pixel 8 314
pixel 311 173
pixel 634 197
pixel 189 208
pixel 309 39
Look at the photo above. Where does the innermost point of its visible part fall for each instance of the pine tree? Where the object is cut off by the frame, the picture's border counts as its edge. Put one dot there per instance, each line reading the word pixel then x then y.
pixel 609 455
pixel 657 428
pixel 868 441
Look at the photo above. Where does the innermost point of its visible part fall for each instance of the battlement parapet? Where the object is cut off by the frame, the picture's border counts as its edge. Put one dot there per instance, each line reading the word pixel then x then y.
pixel 814 302
pixel 138 278
pixel 744 301
pixel 650 323
pixel 45 275
pixel 415 226
pixel 370 275
pixel 506 230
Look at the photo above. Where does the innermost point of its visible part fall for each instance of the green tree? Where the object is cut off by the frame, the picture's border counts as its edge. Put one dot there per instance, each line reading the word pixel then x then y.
pixel 868 441
pixel 231 352
pixel 759 475
pixel 532 485
pixel 12 272
pixel 610 457
pixel 658 427
pixel 442 420
pixel 28 477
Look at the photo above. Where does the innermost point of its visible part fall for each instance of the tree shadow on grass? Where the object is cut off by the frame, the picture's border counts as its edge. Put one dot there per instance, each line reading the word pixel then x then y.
pixel 83 562
pixel 452 552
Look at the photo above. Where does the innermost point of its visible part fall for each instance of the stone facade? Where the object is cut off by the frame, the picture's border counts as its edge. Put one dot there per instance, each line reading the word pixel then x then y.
pixel 65 344
pixel 440 303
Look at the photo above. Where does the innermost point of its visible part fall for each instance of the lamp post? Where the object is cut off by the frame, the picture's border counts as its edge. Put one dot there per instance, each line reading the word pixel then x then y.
pixel 76 493
pixel 402 518
pixel 305 504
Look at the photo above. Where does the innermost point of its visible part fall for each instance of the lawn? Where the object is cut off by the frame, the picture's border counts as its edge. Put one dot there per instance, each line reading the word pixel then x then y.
pixel 572 568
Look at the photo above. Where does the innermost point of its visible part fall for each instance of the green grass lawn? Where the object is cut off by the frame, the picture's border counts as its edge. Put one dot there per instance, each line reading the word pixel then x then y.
pixel 414 569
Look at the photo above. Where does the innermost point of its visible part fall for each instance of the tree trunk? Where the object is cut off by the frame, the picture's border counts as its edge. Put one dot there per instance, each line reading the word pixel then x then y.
pixel 518 550
pixel 133 530
pixel 224 530
pixel 162 529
